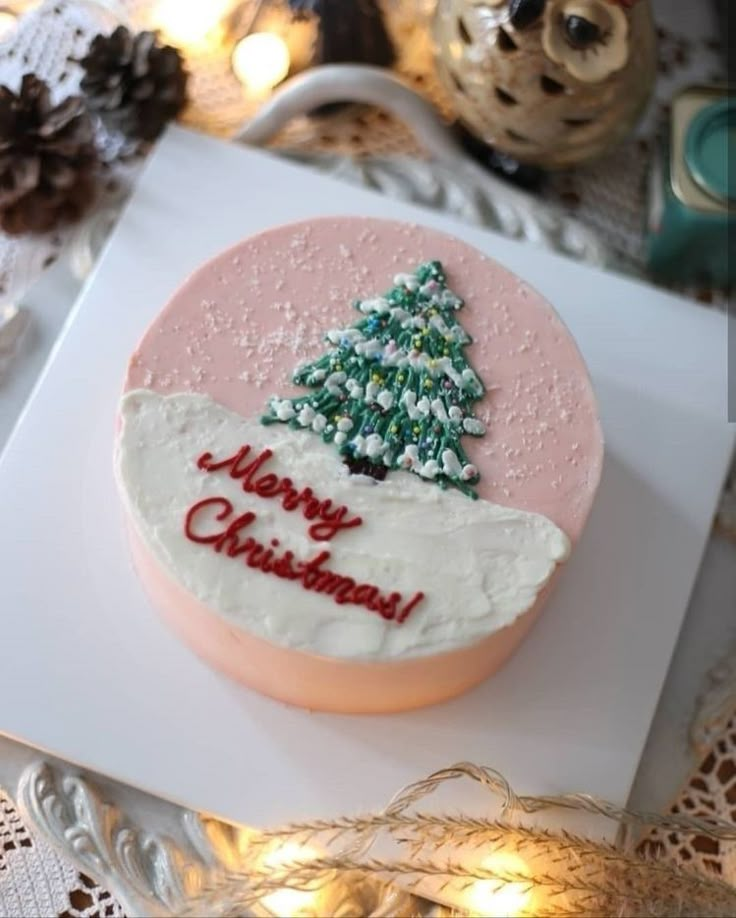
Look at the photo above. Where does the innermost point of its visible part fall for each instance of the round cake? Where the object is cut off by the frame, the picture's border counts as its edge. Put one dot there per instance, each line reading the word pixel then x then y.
pixel 354 455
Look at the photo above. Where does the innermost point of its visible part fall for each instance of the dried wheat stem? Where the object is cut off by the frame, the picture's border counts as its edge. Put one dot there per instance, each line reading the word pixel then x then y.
pixel 582 877
pixel 300 872
pixel 443 831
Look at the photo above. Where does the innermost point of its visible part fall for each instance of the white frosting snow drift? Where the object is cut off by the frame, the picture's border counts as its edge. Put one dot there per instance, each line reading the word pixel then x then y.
pixel 479 565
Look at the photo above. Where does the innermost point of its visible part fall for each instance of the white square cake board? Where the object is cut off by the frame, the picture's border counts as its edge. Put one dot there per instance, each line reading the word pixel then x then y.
pixel 87 670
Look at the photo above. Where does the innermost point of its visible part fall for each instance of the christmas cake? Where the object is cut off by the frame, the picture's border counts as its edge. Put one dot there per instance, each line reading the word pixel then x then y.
pixel 354 455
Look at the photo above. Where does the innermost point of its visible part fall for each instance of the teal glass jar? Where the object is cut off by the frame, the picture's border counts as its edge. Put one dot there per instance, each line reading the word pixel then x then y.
pixel 691 217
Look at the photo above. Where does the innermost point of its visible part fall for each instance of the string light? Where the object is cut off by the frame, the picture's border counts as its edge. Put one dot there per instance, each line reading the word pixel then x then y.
pixel 497 898
pixel 289 902
pixel 260 61
pixel 8 22
pixel 191 23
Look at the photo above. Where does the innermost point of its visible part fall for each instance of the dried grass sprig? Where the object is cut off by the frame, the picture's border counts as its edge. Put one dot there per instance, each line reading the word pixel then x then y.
pixel 445 856
pixel 610 894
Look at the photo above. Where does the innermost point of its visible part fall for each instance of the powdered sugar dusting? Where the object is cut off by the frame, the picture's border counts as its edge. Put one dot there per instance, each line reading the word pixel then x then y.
pixel 244 323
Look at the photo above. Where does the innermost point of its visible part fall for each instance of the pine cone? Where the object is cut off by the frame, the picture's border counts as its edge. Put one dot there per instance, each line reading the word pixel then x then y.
pixel 135 84
pixel 48 159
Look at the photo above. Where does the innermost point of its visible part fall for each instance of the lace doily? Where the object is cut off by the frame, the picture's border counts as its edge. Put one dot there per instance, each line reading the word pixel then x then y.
pixel 710 791
pixel 34 880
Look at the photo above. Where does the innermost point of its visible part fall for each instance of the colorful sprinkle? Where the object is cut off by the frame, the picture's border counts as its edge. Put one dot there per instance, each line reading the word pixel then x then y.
pixel 383 338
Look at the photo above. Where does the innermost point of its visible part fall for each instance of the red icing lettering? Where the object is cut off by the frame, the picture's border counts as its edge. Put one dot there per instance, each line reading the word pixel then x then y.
pixel 328 521
pixel 251 469
pixel 291 499
pixel 332 523
pixel 282 568
pixel 310 571
pixel 344 589
pixel 256 555
pixel 387 607
pixel 311 504
pixel 269 485
pixel 205 461
pixel 312 574
pixel 230 537
pixel 227 509
pixel 414 601
pixel 365 595
pixel 266 564
pixel 335 585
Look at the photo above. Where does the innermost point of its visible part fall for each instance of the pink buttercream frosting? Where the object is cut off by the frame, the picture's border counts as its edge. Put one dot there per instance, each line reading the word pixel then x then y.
pixel 240 325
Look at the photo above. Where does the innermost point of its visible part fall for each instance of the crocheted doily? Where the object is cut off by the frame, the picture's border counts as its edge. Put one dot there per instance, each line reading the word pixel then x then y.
pixel 711 789
pixel 35 880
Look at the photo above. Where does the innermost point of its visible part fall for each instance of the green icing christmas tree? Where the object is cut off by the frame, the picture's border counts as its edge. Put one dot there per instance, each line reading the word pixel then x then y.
pixel 395 390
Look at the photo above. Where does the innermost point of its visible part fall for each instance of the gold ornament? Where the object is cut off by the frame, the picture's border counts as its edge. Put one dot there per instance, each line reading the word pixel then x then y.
pixel 550 82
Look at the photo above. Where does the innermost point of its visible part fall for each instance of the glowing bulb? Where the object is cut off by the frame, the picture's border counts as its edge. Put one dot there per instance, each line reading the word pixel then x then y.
pixel 495 898
pixel 7 23
pixel 190 23
pixel 289 902
pixel 260 61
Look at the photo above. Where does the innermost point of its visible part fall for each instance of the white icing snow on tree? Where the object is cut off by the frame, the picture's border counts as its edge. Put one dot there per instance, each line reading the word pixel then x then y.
pixel 395 390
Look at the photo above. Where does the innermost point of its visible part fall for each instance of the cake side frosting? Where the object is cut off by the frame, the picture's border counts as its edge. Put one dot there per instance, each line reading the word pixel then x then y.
pixel 460 569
